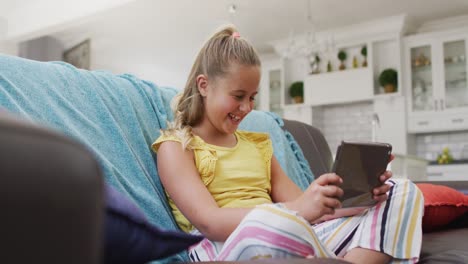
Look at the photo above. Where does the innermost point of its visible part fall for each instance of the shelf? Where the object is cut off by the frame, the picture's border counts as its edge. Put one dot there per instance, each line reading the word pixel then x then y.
pixel 455 64
pixel 295 106
pixel 423 68
pixel 339 87
pixel 387 95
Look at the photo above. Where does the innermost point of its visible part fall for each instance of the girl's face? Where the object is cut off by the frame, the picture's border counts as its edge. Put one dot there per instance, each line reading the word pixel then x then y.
pixel 229 98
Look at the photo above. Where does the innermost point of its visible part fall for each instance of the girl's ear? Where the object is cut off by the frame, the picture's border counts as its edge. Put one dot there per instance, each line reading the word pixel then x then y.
pixel 202 84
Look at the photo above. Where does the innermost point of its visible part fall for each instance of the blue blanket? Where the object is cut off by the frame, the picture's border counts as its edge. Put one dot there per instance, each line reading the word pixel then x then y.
pixel 118 117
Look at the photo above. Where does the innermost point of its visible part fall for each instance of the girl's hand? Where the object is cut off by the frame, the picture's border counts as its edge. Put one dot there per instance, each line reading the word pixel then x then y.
pixel 380 193
pixel 320 198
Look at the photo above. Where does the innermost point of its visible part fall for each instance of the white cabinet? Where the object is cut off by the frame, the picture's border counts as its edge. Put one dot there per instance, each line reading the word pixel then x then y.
pixel 356 83
pixel 271 86
pixel 339 87
pixel 436 75
pixel 277 74
pixel 389 114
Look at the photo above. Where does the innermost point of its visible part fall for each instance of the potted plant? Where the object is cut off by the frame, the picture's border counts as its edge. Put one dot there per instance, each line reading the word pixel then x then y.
pixel 342 58
pixel 364 54
pixel 296 91
pixel 388 79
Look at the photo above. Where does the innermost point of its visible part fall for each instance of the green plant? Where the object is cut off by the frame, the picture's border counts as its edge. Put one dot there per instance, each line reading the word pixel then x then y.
pixel 388 76
pixel 364 51
pixel 445 157
pixel 296 89
pixel 342 55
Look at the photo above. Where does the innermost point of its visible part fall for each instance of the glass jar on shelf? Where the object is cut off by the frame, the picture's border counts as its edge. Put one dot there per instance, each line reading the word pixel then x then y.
pixel 421 78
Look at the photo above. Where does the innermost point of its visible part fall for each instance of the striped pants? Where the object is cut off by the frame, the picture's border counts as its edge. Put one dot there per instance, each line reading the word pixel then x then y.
pixel 272 231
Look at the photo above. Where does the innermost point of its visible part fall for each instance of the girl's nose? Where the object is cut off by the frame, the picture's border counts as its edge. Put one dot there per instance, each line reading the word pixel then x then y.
pixel 245 106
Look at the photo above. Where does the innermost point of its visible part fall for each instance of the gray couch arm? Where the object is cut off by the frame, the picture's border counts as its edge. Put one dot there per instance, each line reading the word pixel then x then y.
pixel 51 197
pixel 313 145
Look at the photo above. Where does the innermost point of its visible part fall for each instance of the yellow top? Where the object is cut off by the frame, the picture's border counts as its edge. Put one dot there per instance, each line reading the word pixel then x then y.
pixel 235 177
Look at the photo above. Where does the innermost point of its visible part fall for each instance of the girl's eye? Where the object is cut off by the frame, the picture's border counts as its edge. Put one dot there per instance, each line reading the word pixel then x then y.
pixel 239 97
pixel 252 98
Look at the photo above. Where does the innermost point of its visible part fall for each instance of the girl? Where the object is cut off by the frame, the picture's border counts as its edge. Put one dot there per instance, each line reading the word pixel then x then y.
pixel 227 185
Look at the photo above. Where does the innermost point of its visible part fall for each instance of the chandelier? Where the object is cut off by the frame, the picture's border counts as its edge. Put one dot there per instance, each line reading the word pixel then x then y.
pixel 310 45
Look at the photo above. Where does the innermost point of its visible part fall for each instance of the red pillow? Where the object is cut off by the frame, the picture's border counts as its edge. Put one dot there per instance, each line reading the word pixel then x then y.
pixel 442 205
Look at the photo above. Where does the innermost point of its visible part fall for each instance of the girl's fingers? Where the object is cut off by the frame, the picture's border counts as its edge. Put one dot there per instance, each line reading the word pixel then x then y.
pixel 381 198
pixel 331 203
pixel 332 191
pixel 383 189
pixel 329 179
pixel 385 176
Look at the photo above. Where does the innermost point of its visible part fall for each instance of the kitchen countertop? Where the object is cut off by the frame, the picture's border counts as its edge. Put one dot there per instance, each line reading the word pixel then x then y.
pixel 463 161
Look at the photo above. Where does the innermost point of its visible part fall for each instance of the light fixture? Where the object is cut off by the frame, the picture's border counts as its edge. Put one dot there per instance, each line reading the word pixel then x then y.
pixel 232 8
pixel 308 44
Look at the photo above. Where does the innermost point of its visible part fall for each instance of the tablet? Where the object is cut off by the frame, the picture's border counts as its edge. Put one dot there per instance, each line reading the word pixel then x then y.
pixel 360 165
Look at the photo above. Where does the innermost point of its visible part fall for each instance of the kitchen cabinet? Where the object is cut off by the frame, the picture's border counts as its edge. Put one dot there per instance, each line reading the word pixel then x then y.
pixel 339 87
pixel 436 75
pixel 271 83
pixel 355 84
pixel 277 74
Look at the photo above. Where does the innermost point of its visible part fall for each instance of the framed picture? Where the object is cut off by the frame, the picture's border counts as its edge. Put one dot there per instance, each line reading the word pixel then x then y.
pixel 79 55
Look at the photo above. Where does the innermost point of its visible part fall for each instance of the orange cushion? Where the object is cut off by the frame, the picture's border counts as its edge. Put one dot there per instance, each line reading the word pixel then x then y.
pixel 442 205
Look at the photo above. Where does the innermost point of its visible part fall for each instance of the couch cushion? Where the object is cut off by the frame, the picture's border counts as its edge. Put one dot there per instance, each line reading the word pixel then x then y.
pixel 449 246
pixel 442 205
pixel 130 238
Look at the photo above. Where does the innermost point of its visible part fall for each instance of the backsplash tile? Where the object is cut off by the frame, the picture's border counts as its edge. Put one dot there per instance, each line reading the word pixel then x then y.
pixel 428 146
pixel 354 122
pixel 344 122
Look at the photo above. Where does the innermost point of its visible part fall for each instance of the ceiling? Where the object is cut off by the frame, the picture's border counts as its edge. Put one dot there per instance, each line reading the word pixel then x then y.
pixel 261 21
pixel 171 32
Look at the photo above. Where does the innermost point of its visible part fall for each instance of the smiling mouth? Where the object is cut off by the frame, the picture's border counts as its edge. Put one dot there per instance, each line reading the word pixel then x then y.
pixel 234 117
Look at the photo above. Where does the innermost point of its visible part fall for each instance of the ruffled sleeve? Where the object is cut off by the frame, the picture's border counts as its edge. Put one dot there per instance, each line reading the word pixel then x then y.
pixel 205 158
pixel 163 138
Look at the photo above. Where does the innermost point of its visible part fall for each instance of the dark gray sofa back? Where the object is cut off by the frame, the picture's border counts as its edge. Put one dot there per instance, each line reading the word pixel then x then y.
pixel 313 145
pixel 50 195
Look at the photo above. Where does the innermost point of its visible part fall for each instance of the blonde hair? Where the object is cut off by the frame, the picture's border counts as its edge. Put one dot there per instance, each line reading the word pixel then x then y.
pixel 213 60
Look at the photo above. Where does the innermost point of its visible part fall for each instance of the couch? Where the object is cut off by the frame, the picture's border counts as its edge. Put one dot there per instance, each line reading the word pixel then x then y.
pixel 98 131
pixel 448 245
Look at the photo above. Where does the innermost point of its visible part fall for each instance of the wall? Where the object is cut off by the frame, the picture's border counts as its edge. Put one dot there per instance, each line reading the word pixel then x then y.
pixel 29 19
pixel 8 48
pixel 118 59
pixel 42 49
